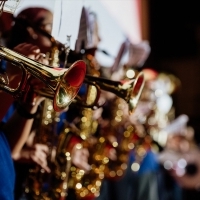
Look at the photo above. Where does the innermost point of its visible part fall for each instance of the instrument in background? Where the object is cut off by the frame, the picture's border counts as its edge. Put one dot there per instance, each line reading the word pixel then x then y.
pixel 41 185
pixel 129 90
pixel 158 94
pixel 180 156
pixel 63 84
pixel 53 56
pixel 119 135
pixel 89 184
pixel 124 137
pixel 83 184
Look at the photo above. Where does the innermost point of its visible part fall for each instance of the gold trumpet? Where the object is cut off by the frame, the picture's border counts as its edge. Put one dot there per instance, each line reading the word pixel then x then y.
pixel 129 90
pixel 63 84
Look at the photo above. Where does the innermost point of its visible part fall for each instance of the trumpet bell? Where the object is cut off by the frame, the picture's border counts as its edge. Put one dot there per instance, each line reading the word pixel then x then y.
pixel 130 90
pixel 62 85
pixel 137 89
pixel 69 85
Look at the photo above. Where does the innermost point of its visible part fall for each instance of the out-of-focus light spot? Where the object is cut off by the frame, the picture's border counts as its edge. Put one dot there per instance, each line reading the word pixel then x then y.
pixel 168 165
pixel 182 163
pixel 180 172
pixel 130 73
pixel 135 167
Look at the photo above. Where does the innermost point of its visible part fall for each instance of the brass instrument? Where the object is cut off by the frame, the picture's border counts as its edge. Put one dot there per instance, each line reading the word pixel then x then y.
pixel 53 56
pixel 129 90
pixel 119 135
pixel 122 135
pixel 87 128
pixel 63 84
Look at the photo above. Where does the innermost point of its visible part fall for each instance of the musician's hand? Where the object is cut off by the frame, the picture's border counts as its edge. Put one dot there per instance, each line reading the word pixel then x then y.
pixel 31 51
pixel 80 157
pixel 35 154
pixel 112 154
pixel 38 154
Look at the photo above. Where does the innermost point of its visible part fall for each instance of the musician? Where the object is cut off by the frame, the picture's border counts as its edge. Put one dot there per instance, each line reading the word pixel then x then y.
pixel 23 31
pixel 13 134
pixel 15 131
pixel 20 34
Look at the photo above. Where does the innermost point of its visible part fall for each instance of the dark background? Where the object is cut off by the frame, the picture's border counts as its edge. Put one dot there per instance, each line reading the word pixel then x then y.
pixel 175 47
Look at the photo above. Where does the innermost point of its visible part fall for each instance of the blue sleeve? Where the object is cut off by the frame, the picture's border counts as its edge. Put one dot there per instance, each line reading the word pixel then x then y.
pixel 9 113
pixel 148 164
pixel 7 173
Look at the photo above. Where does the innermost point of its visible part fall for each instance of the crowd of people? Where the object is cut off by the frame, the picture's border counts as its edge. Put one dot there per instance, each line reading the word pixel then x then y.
pixel 118 139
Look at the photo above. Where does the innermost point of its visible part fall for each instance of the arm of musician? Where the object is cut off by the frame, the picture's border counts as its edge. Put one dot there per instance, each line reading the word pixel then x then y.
pixel 18 127
pixel 14 74
pixel 34 154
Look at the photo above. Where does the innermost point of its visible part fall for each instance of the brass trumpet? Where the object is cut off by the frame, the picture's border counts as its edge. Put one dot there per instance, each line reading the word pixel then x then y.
pixel 63 84
pixel 130 90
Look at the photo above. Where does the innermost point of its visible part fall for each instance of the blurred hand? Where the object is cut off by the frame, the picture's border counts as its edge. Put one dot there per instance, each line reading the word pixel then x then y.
pixel 35 154
pixel 112 154
pixel 110 151
pixel 80 157
pixel 31 51
pixel 38 154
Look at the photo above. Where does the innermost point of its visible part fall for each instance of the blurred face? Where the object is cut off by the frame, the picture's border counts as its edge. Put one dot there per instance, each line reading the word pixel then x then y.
pixel 44 19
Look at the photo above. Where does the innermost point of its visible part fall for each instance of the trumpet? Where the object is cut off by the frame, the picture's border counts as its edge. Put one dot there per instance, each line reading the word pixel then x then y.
pixel 62 84
pixel 130 90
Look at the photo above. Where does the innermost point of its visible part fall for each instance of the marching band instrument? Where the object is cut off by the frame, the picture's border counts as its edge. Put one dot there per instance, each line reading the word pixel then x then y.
pixel 87 128
pixel 64 84
pixel 89 184
pixel 129 90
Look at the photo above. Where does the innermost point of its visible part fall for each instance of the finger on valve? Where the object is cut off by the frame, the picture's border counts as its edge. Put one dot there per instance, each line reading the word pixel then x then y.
pixel 28 50
pixel 31 51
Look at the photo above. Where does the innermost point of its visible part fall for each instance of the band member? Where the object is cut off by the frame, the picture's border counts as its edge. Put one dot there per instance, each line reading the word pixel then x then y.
pixel 15 131
pixel 33 25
